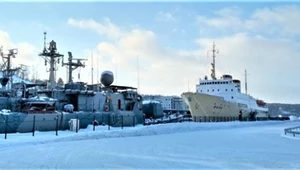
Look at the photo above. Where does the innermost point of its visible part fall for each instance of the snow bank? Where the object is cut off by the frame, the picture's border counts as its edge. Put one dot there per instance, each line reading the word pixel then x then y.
pixel 116 132
pixel 294 118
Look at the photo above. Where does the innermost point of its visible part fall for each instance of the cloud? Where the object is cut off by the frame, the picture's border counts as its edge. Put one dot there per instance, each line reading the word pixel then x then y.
pixel 27 53
pixel 270 61
pixel 228 17
pixel 107 28
pixel 157 65
pixel 178 30
pixel 165 17
pixel 275 20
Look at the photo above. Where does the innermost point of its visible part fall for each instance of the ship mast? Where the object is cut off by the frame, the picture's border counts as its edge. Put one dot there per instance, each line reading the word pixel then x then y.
pixel 213 64
pixel 52 57
pixel 72 65
pixel 6 67
pixel 246 82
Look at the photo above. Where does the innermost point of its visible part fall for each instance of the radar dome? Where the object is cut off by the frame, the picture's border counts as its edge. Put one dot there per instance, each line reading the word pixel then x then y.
pixel 107 78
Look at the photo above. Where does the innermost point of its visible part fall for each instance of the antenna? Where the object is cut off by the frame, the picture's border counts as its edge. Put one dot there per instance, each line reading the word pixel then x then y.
pixel 213 64
pixel 92 70
pixel 246 81
pixel 97 69
pixel 45 46
pixel 116 70
pixel 138 73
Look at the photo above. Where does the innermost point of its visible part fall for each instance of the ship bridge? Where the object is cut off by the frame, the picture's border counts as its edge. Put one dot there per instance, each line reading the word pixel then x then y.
pixel 223 85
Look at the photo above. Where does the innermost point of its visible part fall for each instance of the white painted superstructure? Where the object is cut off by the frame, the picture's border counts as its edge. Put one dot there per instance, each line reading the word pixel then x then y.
pixel 222 97
pixel 230 90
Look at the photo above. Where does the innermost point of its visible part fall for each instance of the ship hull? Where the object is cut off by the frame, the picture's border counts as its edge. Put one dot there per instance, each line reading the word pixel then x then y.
pixel 23 123
pixel 207 105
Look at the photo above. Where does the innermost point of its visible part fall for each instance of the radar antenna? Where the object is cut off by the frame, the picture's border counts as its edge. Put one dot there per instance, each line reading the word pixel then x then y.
pixel 72 65
pixel 52 57
pixel 213 64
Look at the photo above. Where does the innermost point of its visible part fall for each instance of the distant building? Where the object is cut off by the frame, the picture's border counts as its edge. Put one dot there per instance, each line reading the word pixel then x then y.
pixel 169 103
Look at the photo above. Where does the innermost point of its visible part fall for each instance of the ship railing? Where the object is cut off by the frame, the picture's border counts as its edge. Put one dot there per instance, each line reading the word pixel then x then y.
pixel 292 130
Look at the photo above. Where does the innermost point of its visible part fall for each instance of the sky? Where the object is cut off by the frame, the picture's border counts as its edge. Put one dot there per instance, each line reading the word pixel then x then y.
pixel 161 47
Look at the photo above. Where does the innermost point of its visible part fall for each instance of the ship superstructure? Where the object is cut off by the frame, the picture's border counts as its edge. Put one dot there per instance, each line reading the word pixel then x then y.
pixel 53 105
pixel 222 97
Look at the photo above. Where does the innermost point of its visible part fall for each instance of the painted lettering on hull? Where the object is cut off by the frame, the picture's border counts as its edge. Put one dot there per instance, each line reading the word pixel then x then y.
pixel 218 107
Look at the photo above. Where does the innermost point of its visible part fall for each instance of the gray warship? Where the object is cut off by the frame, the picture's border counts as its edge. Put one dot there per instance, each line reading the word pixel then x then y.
pixel 31 106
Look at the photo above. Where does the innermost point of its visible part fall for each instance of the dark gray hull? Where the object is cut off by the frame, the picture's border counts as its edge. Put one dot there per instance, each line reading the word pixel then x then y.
pixel 22 123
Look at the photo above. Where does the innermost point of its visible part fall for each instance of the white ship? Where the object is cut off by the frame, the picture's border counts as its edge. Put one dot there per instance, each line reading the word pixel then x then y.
pixel 223 98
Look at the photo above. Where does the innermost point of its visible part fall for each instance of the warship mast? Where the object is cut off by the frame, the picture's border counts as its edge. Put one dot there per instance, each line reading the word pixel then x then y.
pixel 72 65
pixel 246 89
pixel 6 69
pixel 213 64
pixel 52 57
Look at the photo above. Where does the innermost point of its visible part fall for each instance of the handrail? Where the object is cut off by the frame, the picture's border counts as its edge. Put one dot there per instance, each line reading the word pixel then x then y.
pixel 292 130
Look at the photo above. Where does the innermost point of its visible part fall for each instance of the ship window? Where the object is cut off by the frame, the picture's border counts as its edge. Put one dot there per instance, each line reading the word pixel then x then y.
pixel 231 89
pixel 200 90
pixel 225 89
pixel 208 90
pixel 213 90
pixel 232 97
pixel 218 90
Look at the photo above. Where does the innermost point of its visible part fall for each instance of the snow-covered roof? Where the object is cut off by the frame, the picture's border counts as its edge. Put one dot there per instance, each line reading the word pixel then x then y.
pixel 150 101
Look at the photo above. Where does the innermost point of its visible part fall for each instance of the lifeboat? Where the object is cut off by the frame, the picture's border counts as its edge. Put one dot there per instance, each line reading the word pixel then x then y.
pixel 261 103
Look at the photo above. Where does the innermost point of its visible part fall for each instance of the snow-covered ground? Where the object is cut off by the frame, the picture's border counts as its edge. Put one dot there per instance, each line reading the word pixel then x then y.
pixel 227 145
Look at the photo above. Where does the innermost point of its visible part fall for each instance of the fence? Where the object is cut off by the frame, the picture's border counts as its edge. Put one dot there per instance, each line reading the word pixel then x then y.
pixel 292 130
pixel 56 122
pixel 38 123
